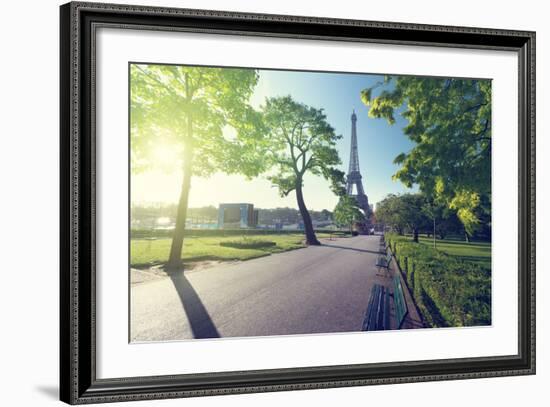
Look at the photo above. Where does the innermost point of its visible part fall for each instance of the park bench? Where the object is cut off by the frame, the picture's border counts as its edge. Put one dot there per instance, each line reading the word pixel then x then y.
pixel 377 317
pixel 384 261
pixel 401 309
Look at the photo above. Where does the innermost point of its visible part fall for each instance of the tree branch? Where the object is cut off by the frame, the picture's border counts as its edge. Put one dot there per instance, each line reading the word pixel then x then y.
pixel 481 135
pixel 157 81
pixel 475 107
pixel 309 163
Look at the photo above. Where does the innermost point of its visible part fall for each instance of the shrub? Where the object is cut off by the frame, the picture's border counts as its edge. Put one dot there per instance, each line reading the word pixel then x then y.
pixel 447 290
pixel 248 243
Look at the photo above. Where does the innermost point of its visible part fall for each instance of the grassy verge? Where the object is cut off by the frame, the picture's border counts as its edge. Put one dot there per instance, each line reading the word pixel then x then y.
pixel 144 252
pixel 477 252
pixel 449 289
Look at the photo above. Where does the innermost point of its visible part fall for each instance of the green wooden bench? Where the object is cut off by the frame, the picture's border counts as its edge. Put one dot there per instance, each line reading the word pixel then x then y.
pixel 384 261
pixel 401 309
pixel 377 317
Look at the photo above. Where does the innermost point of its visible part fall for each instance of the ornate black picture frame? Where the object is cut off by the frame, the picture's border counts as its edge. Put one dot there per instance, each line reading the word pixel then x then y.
pixel 78 380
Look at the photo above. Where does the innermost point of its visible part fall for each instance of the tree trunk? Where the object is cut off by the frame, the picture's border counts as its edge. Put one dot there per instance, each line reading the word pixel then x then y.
pixel 174 261
pixel 311 239
pixel 415 235
pixel 467 237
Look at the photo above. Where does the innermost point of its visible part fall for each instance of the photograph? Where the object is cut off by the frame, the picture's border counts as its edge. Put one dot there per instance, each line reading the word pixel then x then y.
pixel 267 202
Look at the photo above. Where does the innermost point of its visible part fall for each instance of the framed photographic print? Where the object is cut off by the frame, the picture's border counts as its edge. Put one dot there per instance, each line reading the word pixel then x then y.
pixel 256 203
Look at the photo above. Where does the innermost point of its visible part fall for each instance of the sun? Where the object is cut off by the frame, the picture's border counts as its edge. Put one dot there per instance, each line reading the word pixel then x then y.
pixel 165 154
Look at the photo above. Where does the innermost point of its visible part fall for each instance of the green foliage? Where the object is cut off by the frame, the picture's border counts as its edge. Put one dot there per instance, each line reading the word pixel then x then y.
pixel 449 120
pixel 202 109
pixel 201 121
pixel 465 203
pixel 403 212
pixel 347 212
pixel 448 291
pixel 431 210
pixel 299 140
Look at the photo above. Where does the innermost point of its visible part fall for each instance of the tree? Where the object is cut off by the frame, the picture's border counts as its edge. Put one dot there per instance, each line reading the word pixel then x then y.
pixel 184 113
pixel 449 224
pixel 433 212
pixel 388 211
pixel 449 120
pixel 347 212
pixel 300 141
pixel 403 211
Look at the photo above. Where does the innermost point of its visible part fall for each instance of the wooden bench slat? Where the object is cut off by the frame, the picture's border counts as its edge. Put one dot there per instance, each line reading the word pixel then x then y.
pixel 401 309
pixel 378 315
pixel 370 307
pixel 379 309
pixel 387 312
pixel 375 307
pixel 384 261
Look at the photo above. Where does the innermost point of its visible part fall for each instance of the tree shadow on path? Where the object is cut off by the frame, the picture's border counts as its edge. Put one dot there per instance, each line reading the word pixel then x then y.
pixel 350 248
pixel 199 319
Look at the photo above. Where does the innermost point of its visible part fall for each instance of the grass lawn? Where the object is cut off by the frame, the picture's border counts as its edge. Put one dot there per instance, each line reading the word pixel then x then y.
pixel 478 252
pixel 146 252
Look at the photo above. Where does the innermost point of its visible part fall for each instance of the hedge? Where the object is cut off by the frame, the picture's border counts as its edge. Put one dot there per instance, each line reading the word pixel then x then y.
pixel 447 290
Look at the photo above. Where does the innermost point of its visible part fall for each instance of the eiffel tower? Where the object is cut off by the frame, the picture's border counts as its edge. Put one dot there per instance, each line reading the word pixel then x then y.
pixel 354 175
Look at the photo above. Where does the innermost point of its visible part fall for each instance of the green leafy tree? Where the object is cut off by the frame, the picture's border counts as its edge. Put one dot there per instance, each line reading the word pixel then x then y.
pixel 403 212
pixel 448 224
pixel 449 120
pixel 300 141
pixel 347 212
pixel 434 212
pixel 189 110
pixel 388 212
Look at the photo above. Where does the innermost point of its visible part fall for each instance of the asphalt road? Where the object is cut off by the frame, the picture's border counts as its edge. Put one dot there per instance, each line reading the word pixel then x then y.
pixel 317 289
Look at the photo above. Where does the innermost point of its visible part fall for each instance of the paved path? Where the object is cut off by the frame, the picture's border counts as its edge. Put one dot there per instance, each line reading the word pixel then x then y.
pixel 318 289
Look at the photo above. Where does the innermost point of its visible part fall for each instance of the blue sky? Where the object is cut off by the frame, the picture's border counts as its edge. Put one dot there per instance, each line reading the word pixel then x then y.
pixel 338 94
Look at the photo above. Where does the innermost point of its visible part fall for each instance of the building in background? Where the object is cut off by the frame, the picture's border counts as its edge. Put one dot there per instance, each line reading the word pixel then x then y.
pixel 237 216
